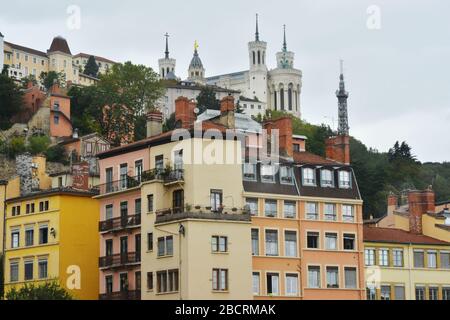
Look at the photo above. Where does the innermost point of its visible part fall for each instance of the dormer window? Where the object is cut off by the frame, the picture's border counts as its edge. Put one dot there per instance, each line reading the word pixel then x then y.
pixel 286 175
pixel 344 180
pixel 309 178
pixel 249 172
pixel 267 173
pixel 326 178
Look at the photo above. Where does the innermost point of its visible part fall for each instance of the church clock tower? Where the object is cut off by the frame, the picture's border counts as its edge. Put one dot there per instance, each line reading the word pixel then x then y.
pixel 257 87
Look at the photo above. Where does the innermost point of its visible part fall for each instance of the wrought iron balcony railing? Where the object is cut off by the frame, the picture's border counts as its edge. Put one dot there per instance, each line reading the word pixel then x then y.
pixel 122 295
pixel 120 223
pixel 120 260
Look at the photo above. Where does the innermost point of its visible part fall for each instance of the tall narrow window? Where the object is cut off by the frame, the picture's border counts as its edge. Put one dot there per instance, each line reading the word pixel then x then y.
pixel 14 271
pixel 348 214
pixel 15 236
pixel 330 212
pixel 150 203
pixel 289 209
pixel 385 292
pixel 159 163
pixel 150 241
pixel 290 98
pixel 270 208
pixel 271 242
pixel 312 240
pixel 256 283
pixel 123 176
pixel 369 257
pixel 309 178
pixel 109 179
pixel 216 200
pixel 255 242
pixel 350 278
pixel 43 268
pixel 419 259
pixel 291 284
pixel 273 284
pixel 138 169
pixel 432 259
pixel 399 292
pixel 252 206
pixel 178 160
pixel 220 280
pixel 331 241
pixel 332 277
pixel 312 211
pixel 178 200
pixel 397 257
pixel 43 234
pixel 344 180
pixel 28 267
pixel 314 277
pixel 420 293
pixel 290 243
pixel 259 57
pixel 282 98
pixel 29 236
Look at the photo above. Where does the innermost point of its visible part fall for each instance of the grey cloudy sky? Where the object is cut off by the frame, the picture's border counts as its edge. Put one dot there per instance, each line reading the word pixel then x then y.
pixel 398 76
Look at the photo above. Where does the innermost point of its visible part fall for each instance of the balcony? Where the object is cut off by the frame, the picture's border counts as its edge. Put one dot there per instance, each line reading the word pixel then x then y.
pixel 121 295
pixel 121 223
pixel 202 213
pixel 167 176
pixel 120 260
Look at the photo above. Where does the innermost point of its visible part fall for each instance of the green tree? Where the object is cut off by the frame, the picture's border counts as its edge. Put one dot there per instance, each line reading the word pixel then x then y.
pixel 31 78
pixel 48 79
pixel 38 144
pixel 11 101
pixel 207 99
pixel 47 291
pixel 170 123
pixel 91 68
pixel 15 146
pixel 140 128
pixel 57 153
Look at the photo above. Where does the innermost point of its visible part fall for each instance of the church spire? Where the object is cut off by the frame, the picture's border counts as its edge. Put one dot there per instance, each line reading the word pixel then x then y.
pixel 167 45
pixel 342 95
pixel 257 29
pixel 284 39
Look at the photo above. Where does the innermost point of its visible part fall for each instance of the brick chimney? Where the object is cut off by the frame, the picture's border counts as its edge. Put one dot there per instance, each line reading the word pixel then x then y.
pixel 420 202
pixel 154 123
pixel 185 112
pixel 284 126
pixel 227 116
pixel 392 203
pixel 338 149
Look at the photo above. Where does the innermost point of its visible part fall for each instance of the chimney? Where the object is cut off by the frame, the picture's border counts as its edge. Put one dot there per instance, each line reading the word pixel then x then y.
pixel 338 149
pixel 420 202
pixel 154 123
pixel 392 203
pixel 75 134
pixel 55 89
pixel 185 112
pixel 80 176
pixel 284 126
pixel 227 116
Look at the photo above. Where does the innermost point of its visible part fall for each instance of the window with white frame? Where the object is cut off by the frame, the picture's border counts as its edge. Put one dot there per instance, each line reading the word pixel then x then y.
pixel 28 268
pixel 344 179
pixel 446 293
pixel 291 284
pixel 399 292
pixel 369 257
pixel 420 293
pixel 348 214
pixel 371 293
pixel 43 268
pixel 349 241
pixel 289 209
pixel 219 244
pixel 15 236
pixel 271 242
pixel 249 171
pixel 432 259
pixel 109 212
pixel 326 178
pixel 419 259
pixel 256 283
pixel 332 277
pixel 309 178
pixel 220 279
pixel 312 211
pixel 290 243
pixel 286 175
pixel 445 259
pixel 350 277
pixel 314 277
pixel 385 291
pixel 331 241
pixel 14 271
pixel 433 293
pixel 330 212
pixel 270 208
pixel 255 242
pixel 397 257
pixel 273 284
pixel 252 206
pixel 383 257
pixel 267 173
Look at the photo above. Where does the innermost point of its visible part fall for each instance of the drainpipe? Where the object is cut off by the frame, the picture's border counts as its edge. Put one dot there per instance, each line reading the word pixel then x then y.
pixel 4 242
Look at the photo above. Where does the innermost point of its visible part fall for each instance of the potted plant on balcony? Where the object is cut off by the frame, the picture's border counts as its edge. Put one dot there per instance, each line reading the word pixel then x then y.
pixel 188 207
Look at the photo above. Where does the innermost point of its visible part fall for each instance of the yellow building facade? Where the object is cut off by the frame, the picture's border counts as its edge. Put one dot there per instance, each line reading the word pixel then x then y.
pixel 400 265
pixel 53 235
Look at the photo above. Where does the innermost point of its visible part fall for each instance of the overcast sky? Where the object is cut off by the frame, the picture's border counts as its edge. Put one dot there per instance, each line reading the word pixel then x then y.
pixel 397 69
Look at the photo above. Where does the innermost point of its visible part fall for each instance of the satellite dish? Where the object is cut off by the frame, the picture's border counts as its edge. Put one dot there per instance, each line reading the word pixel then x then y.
pixel 196 110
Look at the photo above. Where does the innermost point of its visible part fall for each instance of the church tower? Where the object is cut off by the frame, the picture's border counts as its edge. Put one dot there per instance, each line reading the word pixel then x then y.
pixel 167 64
pixel 196 72
pixel 285 58
pixel 258 68
pixel 342 95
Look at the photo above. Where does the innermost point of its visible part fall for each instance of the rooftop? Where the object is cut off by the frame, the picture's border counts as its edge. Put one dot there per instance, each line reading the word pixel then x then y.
pixel 388 235
pixel 59 44
pixel 25 49
pixel 53 192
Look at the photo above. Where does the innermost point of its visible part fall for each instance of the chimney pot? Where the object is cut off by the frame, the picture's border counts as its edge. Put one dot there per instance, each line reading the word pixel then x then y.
pixel 154 123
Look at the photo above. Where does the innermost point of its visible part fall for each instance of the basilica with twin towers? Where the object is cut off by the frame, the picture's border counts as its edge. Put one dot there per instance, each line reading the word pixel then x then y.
pixel 258 88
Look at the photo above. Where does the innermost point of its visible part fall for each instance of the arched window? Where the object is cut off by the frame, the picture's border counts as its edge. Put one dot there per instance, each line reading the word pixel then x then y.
pixel 259 57
pixel 264 57
pixel 275 100
pixel 296 100
pixel 254 57
pixel 282 98
pixel 290 98
pixel 163 73
pixel 168 70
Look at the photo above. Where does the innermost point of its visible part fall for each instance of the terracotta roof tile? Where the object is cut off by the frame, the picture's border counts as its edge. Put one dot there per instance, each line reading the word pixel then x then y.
pixel 310 158
pixel 375 234
pixel 60 44
pixel 25 49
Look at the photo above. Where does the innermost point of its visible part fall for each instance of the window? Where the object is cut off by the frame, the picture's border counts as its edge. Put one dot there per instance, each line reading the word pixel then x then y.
pixel 256 283
pixel 28 266
pixel 419 259
pixel 312 211
pixel 312 240
pixel 178 200
pixel 271 242
pixel 332 277
pixel 385 292
pixel 291 284
pixel 267 174
pixel 216 200
pixel 348 214
pixel 109 284
pixel 255 242
pixel 270 208
pixel 29 236
pixel 150 281
pixel 15 211
pixel 123 176
pixel 43 206
pixel 178 160
pixel 150 241
pixel 43 234
pixel 249 172
pixel 109 247
pixel 314 277
pixel 326 178
pixel 43 268
pixel 109 212
pixel 420 293
pixel 330 212
pixel 445 260
pixel 172 276
pixel 399 292
pixel 446 293
pixel 309 177
pixel 220 280
pixel 150 203
pixel 349 241
pixel 289 209
pixel 137 206
pixel 15 238
pixel 56 119
pixel 167 281
pixel 159 163
pixel 253 206
pixel 138 169
pixel 286 175
pixel 331 241
pixel 369 257
pixel 371 293
pixel 432 259
pixel 273 281
pixel 350 278
pixel 383 257
pixel 165 246
pixel 290 244
pixel 344 180
pixel 433 293
pixel 397 257
pixel 219 244
pixel 14 271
